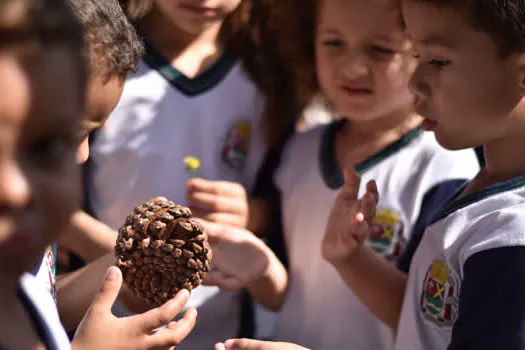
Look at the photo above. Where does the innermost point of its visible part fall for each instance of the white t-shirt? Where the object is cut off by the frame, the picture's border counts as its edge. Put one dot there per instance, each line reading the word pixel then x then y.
pixel 466 281
pixel 161 118
pixel 320 311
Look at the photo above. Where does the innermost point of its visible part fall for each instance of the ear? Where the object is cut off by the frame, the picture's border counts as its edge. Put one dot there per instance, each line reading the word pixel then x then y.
pixel 519 62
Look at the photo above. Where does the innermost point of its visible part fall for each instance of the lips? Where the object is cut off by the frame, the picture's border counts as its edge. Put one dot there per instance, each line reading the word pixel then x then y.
pixel 199 10
pixel 356 89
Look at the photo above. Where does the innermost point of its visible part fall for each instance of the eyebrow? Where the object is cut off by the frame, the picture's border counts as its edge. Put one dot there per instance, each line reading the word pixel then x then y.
pixel 435 40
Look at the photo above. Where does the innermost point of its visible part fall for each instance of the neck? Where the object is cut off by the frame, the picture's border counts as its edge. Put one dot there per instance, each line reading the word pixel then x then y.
pixel 8 298
pixel 504 159
pixel 170 40
pixel 397 123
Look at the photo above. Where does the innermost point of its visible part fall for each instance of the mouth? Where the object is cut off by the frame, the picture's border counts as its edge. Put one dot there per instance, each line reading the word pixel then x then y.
pixel 356 90
pixel 22 242
pixel 198 10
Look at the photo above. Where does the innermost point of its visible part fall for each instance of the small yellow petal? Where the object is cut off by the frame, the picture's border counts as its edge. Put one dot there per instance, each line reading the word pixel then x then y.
pixel 192 163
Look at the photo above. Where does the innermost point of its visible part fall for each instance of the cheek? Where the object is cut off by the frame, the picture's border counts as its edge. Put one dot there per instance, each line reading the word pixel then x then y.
pixel 392 80
pixel 325 70
pixel 61 196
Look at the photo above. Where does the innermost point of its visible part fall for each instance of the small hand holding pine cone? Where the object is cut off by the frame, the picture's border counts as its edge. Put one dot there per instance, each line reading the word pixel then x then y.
pixel 161 250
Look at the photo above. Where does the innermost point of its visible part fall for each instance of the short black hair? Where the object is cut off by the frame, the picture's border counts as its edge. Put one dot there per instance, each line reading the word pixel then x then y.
pixel 113 47
pixel 503 20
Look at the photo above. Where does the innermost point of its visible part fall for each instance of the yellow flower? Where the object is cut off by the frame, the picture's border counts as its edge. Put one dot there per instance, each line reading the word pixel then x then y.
pixel 192 164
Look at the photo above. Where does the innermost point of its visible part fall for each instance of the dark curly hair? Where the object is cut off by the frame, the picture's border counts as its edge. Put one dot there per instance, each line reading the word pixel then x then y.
pixel 112 45
pixel 251 32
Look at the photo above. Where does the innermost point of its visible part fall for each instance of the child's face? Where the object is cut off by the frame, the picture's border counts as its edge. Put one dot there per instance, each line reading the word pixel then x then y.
pixel 102 96
pixel 194 16
pixel 463 85
pixel 40 113
pixel 364 59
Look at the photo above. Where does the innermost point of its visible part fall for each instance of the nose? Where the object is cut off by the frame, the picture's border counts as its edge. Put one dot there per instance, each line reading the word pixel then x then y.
pixel 418 84
pixel 354 65
pixel 15 191
pixel 83 151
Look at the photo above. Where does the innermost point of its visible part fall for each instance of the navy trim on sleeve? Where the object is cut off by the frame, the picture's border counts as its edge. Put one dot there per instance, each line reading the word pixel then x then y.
pixel 44 333
pixel 433 200
pixel 492 301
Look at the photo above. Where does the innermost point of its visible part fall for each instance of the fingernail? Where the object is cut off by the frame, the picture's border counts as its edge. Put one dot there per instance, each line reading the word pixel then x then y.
pixel 229 342
pixel 359 217
pixel 112 273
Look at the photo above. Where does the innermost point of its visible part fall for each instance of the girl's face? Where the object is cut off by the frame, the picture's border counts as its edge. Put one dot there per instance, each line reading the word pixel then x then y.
pixel 194 16
pixel 39 180
pixel 364 59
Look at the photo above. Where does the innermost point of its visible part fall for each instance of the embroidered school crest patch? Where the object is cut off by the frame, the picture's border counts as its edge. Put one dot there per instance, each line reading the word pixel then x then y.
pixel 439 297
pixel 386 234
pixel 235 148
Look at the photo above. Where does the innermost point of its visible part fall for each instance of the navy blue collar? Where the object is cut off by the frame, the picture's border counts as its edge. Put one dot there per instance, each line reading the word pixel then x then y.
pixel 332 175
pixel 189 86
pixel 456 203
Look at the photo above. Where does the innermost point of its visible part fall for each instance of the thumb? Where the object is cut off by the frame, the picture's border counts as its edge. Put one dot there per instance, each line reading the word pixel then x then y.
pixel 109 291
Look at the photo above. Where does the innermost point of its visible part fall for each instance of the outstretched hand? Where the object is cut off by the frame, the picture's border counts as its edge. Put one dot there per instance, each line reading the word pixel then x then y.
pixel 239 257
pixel 350 219
pixel 249 344
pixel 100 329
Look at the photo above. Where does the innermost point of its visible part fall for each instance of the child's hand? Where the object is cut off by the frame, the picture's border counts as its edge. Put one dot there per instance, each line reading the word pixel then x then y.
pixel 249 344
pixel 100 329
pixel 239 257
pixel 218 201
pixel 350 219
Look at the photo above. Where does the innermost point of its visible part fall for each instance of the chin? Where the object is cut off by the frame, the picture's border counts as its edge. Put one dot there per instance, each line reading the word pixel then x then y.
pixel 453 142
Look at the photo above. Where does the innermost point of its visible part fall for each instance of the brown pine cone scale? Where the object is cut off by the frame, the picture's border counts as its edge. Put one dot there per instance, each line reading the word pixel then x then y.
pixel 161 250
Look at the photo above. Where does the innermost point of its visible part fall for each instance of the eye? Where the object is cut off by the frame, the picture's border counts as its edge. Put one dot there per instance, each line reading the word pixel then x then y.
pixel 382 50
pixel 52 150
pixel 333 42
pixel 439 63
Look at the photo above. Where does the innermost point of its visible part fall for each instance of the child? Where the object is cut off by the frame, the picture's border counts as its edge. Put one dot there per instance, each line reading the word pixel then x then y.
pixel 192 96
pixel 42 43
pixel 364 61
pixel 465 285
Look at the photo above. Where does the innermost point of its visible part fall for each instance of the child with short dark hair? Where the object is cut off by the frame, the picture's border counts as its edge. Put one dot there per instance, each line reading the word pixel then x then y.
pixel 465 285
pixel 42 43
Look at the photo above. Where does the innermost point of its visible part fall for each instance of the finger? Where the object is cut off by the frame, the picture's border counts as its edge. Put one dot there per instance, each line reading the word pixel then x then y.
pixel 368 208
pixel 221 188
pixel 351 186
pixel 224 219
pixel 219 346
pixel 216 203
pixel 175 332
pixel 109 291
pixel 371 187
pixel 162 315
pixel 223 281
pixel 245 344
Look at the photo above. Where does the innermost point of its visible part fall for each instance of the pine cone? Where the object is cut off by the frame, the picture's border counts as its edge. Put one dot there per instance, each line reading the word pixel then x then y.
pixel 161 250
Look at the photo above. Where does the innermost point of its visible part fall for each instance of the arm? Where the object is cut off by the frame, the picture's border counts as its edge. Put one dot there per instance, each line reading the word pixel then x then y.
pixel 75 291
pixel 492 303
pixel 378 284
pixel 88 237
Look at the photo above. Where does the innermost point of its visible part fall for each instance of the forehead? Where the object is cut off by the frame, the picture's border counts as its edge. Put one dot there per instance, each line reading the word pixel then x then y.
pixel 446 27
pixel 361 17
pixel 39 91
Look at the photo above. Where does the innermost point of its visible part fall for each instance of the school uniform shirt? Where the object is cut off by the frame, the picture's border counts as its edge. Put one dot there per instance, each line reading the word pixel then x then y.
pixel 320 311
pixel 139 154
pixel 42 310
pixel 466 282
